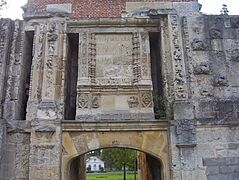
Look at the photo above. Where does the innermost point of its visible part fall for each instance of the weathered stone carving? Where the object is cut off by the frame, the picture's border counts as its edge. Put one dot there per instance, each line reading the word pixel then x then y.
pixel 136 58
pixel 198 45
pixel 146 12
pixel 205 92
pixel 114 64
pixel 92 58
pixel 146 99
pixel 180 77
pixel 220 81
pixel 186 132
pixel 203 68
pixel 47 109
pixel 51 35
pixel 84 55
pixel 235 22
pixel 133 101
pixel 95 102
pixel 83 101
pixel 235 55
pixel 215 34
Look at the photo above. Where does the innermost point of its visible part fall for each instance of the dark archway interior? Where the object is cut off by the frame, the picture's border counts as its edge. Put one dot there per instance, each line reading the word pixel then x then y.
pixel 148 167
pixel 156 73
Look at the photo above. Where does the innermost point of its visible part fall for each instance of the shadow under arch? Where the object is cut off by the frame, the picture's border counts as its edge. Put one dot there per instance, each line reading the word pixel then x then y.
pixel 154 143
pixel 156 165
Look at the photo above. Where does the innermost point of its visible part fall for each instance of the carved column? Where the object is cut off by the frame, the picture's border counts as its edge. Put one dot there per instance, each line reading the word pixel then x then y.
pixel 46 100
pixel 5 39
pixel 14 81
pixel 47 79
pixel 35 92
pixel 45 151
pixel 179 70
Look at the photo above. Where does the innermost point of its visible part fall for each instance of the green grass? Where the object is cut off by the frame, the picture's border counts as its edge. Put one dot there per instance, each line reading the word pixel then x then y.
pixel 109 177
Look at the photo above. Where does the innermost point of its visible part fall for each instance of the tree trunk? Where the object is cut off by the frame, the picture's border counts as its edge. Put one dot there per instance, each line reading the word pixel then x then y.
pixel 135 168
pixel 124 171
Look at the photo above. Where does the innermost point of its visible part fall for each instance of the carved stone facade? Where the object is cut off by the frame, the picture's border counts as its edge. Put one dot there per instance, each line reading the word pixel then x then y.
pixel 69 86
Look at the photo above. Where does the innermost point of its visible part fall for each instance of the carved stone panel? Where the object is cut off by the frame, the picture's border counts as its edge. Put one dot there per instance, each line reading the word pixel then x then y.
pixel 180 84
pixel 114 59
pixel 186 132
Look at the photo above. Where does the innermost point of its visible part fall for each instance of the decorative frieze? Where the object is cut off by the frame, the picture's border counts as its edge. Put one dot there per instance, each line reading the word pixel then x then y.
pixel 216 34
pixel 220 81
pixel 178 59
pixel 136 58
pixel 83 60
pixel 199 45
pixel 92 58
pixel 234 55
pixel 146 99
pixel 203 68
pixel 133 101
pixel 88 101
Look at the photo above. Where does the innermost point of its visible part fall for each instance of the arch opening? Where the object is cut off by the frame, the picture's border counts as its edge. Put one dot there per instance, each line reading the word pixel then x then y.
pixel 116 162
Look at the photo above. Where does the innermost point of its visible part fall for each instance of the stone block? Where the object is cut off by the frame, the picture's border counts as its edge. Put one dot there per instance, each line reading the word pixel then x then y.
pixel 131 6
pixel 233 176
pixel 229 169
pixel 61 8
pixel 211 170
pixel 206 110
pixel 218 177
pixel 225 110
pixel 232 161
pixel 217 44
pixel 183 110
pixel 214 161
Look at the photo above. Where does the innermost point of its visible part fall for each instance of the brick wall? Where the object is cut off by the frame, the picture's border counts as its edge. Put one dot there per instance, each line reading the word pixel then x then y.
pixel 91 8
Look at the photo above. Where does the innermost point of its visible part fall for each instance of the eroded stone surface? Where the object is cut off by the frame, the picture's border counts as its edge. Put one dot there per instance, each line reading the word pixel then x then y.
pixel 108 63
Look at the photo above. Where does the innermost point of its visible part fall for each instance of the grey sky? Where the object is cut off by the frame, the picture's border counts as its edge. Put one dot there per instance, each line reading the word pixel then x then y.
pixel 14 11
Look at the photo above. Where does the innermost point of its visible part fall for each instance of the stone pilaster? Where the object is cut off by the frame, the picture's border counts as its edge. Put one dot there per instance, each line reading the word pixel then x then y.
pixel 45 154
pixel 6 27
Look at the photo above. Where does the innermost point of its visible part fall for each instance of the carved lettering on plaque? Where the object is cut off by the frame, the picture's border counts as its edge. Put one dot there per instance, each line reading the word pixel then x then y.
pixel 114 59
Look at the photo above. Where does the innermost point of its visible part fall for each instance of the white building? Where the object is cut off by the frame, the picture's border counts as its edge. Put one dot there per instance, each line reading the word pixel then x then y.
pixel 94 164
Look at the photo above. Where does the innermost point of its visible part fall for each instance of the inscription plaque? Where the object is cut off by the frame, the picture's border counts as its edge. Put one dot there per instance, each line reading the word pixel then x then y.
pixel 114 59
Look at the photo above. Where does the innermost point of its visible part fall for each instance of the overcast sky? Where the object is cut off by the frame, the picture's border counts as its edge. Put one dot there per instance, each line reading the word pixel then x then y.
pixel 14 11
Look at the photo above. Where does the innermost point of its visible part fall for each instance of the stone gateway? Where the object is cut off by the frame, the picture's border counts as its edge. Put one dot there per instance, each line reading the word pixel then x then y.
pixel 155 76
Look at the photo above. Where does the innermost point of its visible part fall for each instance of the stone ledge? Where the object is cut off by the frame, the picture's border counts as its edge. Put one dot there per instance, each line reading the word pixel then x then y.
pixel 139 125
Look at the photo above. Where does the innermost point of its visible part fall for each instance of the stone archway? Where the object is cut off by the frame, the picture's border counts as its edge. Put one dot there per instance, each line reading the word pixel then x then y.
pixel 76 143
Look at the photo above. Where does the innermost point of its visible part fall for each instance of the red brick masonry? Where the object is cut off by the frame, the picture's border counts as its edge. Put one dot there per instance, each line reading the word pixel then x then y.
pixel 91 8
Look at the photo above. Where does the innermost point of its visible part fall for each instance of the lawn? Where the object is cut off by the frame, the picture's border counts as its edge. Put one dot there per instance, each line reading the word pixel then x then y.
pixel 106 176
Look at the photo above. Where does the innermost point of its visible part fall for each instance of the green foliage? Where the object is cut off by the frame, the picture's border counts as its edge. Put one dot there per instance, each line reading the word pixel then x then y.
pixel 118 157
pixel 160 111
pixel 109 176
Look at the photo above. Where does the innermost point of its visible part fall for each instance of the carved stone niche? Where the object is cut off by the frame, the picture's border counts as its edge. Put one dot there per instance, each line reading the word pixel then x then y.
pixel 198 45
pixel 235 55
pixel 203 68
pixel 216 34
pixel 220 81
pixel 235 22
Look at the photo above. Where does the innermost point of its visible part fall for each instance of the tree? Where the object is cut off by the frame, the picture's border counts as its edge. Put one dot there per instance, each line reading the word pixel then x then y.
pixel 120 157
